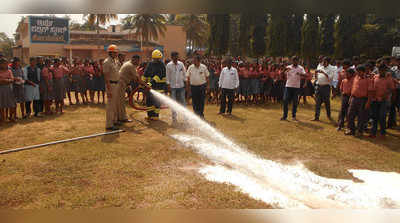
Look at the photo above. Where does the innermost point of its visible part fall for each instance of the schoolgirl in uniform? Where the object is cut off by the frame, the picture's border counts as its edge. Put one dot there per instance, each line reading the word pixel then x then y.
pixel 76 71
pixel 7 99
pixel 46 86
pixel 18 86
pixel 59 72
pixel 67 79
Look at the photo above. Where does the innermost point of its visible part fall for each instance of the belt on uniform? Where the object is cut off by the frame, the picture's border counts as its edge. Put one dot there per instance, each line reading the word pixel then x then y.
pixel 359 97
pixel 113 82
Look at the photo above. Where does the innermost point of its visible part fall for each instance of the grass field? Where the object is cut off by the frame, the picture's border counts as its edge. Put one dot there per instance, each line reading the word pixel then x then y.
pixel 145 168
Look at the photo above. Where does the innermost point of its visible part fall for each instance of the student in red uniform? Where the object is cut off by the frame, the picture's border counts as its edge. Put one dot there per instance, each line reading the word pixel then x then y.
pixel 383 87
pixel 46 86
pixel 7 99
pixel 360 102
pixel 239 90
pixel 76 71
pixel 59 72
pixel 345 89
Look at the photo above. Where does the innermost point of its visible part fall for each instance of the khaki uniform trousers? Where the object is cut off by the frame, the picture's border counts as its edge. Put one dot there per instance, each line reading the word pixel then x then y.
pixel 122 85
pixel 112 106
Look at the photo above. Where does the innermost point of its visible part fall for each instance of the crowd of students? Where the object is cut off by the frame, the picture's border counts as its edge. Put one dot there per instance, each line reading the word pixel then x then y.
pixel 44 84
pixel 370 89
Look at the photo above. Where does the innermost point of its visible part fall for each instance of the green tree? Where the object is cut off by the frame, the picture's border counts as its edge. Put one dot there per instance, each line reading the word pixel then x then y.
pixel 327 31
pixel 294 33
pixel 219 33
pixel 100 19
pixel 244 36
pixel 343 38
pixel 234 47
pixel 149 26
pixel 259 31
pixel 6 45
pixel 196 29
pixel 278 35
pixel 310 39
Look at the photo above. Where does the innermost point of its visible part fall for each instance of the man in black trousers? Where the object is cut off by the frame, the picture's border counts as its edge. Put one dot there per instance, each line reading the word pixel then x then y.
pixel 197 75
pixel 228 82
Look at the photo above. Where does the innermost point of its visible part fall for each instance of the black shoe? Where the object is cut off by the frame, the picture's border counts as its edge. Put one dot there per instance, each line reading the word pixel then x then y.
pixel 118 124
pixel 112 129
pixel 339 129
pixel 283 119
pixel 315 120
pixel 350 133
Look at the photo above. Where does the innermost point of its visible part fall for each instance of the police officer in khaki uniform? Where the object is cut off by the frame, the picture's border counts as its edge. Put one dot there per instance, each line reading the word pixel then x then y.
pixel 111 76
pixel 127 74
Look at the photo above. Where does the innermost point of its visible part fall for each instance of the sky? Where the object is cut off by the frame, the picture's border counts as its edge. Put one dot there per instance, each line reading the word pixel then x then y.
pixel 9 22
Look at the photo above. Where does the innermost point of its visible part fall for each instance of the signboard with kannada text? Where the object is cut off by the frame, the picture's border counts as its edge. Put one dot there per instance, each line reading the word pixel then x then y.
pixel 43 29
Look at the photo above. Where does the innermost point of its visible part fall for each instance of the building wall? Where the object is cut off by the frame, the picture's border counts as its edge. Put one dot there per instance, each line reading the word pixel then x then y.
pixel 174 40
pixel 44 49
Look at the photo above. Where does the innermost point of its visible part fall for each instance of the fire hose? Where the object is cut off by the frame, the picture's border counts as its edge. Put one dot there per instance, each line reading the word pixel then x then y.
pixel 135 105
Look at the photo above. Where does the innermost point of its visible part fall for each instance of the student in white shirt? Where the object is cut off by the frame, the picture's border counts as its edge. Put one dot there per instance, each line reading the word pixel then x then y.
pixel 228 82
pixel 197 75
pixel 324 76
pixel 176 78
pixel 294 73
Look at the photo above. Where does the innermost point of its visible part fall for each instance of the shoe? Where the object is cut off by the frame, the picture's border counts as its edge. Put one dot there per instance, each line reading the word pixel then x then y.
pixel 339 129
pixel 372 136
pixel 38 116
pixel 220 113
pixel 125 121
pixel 118 124
pixel 294 119
pixel 349 133
pixel 315 120
pixel 113 128
pixel 359 134
pixel 283 119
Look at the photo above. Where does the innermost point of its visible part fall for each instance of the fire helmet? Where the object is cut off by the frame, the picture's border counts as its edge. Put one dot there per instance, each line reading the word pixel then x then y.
pixel 156 54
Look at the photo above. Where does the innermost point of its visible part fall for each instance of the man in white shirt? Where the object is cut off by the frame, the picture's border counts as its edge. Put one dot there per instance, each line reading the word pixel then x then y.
pixel 176 77
pixel 228 82
pixel 324 76
pixel 197 75
pixel 294 73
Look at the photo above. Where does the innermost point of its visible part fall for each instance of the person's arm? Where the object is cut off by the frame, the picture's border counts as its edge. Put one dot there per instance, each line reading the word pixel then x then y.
pixel 236 79
pixel 221 79
pixel 323 72
pixel 207 75
pixel 107 69
pixel 188 79
pixel 303 73
pixel 371 93
pixel 168 76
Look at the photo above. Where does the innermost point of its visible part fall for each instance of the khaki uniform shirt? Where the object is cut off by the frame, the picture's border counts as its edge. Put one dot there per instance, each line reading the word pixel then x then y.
pixel 128 73
pixel 111 69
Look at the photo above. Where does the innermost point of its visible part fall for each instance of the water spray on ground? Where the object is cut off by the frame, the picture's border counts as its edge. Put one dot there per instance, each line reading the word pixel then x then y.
pixel 283 186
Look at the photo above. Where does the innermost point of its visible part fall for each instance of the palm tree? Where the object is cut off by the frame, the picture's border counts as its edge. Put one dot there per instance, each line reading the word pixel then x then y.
pixel 148 26
pixel 196 28
pixel 99 19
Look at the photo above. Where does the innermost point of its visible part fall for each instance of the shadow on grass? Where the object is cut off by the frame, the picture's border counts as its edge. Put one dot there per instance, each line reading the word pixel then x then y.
pixel 234 118
pixel 391 141
pixel 110 138
pixel 308 125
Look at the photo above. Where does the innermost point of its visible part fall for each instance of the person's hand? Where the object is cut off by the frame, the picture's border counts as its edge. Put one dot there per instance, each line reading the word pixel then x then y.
pixel 367 105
